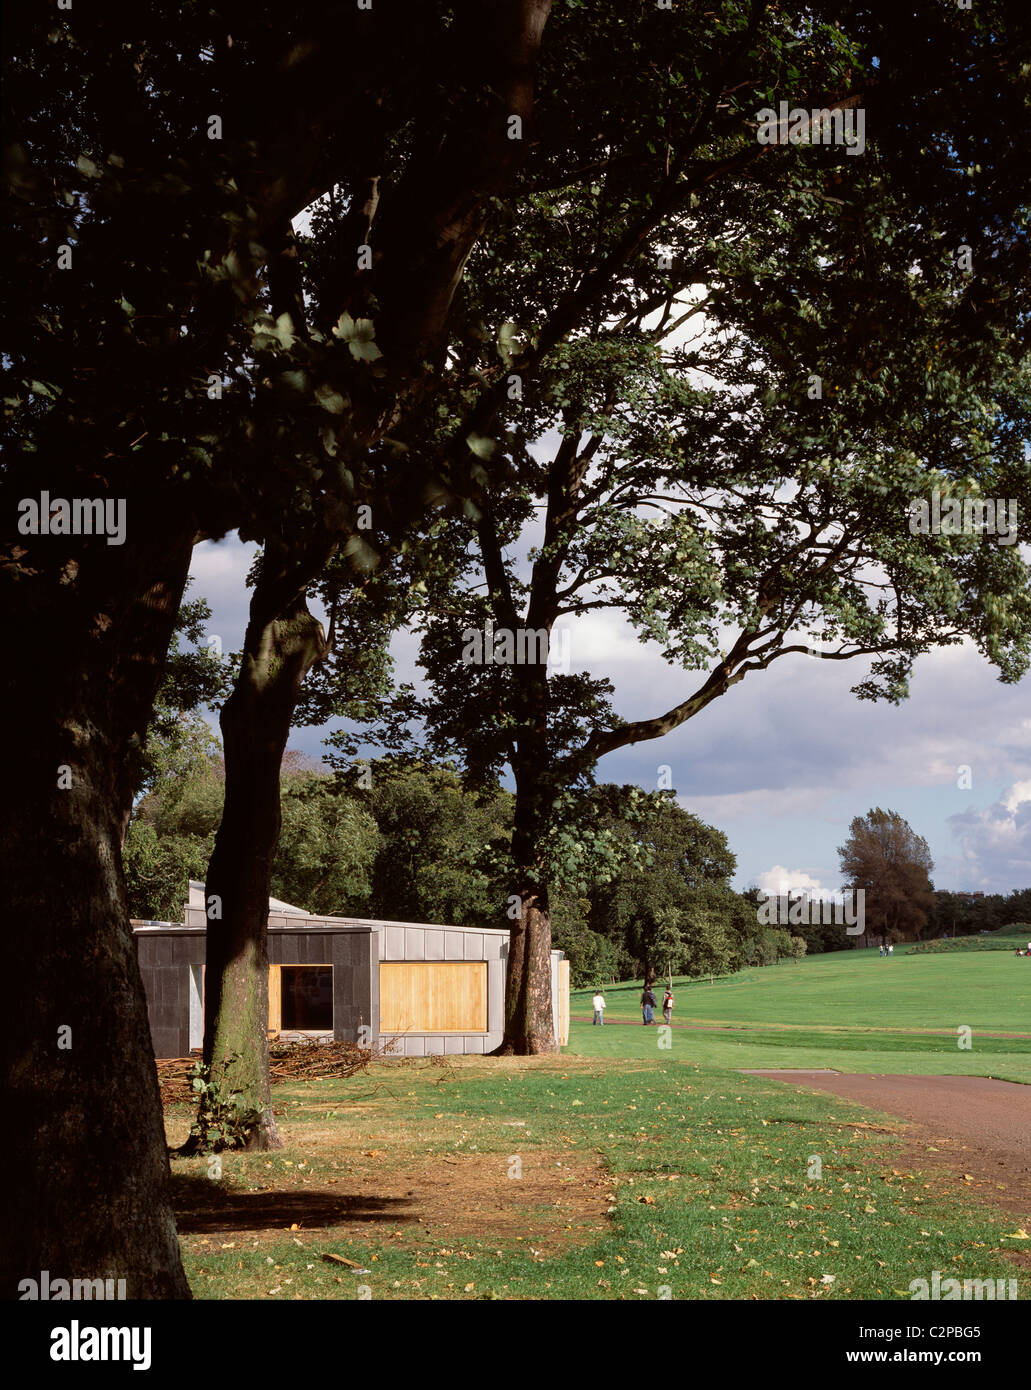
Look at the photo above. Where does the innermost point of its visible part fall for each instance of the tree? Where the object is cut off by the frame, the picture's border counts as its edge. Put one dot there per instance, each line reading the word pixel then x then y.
pixel 433 863
pixel 171 829
pixel 782 497
pixel 410 211
pixel 328 846
pixel 730 547
pixel 594 959
pixel 195 678
pixel 138 373
pixel 671 910
pixel 885 859
pixel 637 202
pixel 325 857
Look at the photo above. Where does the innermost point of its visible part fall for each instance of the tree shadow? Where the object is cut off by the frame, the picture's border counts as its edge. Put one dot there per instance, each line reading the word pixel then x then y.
pixel 204 1207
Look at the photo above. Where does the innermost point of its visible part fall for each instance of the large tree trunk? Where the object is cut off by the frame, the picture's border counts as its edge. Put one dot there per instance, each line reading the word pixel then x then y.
pixel 86 1175
pixel 278 653
pixel 529 1024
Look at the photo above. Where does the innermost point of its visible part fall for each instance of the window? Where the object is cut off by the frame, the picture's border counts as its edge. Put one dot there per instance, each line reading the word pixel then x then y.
pixel 433 997
pixel 301 998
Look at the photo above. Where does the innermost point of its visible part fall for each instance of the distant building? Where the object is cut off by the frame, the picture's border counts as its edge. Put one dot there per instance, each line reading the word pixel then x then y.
pixel 436 989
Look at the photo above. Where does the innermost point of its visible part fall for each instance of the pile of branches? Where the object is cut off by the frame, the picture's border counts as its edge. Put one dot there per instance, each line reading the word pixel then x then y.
pixel 308 1059
pixel 175 1077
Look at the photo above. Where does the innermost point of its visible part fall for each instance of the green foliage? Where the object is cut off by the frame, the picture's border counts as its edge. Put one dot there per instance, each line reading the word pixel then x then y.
pixel 225 1118
pixel 966 944
pixel 328 847
pixel 158 869
pixel 195 678
pixel 439 847
pixel 885 858
pixel 674 907
pixel 594 959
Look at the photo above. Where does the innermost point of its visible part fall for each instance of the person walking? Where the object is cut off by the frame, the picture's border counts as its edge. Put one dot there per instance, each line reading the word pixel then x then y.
pixel 599 1008
pixel 667 1006
pixel 648 1006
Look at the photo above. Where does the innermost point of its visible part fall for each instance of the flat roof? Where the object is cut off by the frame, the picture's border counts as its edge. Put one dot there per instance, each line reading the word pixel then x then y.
pixel 325 924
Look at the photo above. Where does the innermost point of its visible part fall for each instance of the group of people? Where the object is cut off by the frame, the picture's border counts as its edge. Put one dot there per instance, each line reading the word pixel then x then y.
pixel 888 950
pixel 648 1006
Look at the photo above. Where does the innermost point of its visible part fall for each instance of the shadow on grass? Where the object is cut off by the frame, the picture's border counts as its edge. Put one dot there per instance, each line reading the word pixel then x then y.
pixel 204 1207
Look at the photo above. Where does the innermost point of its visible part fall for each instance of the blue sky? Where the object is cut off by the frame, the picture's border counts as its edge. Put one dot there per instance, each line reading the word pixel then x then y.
pixel 785 759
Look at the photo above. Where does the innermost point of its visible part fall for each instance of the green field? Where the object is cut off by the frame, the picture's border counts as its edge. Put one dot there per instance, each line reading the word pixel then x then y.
pixel 852 1011
pixel 705 1189
pixel 646 1172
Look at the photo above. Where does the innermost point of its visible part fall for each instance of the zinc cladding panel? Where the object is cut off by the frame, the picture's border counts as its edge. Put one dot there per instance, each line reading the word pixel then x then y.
pixel 433 997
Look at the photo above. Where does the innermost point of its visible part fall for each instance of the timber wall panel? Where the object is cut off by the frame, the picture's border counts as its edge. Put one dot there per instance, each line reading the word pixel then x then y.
pixel 563 1003
pixel 275 998
pixel 430 997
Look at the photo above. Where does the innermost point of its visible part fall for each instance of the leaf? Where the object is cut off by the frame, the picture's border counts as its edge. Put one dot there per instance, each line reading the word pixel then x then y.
pixel 284 331
pixel 330 399
pixel 364 351
pixel 481 446
pixel 359 335
pixel 508 342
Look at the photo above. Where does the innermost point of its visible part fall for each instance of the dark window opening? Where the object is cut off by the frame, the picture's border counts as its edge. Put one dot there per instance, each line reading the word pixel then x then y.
pixel 308 997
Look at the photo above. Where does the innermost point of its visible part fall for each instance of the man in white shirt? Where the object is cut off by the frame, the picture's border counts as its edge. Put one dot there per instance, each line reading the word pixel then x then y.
pixel 599 1008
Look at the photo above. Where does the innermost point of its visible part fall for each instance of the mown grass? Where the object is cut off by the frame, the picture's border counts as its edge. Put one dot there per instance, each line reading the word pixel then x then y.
pixel 849 1050
pixel 712 1187
pixel 987 992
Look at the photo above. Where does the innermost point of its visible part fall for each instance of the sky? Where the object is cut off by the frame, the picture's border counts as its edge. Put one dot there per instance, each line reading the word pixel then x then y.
pixel 785 760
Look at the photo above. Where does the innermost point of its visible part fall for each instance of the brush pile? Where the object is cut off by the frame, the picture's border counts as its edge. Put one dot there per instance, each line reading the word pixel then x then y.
pixel 306 1059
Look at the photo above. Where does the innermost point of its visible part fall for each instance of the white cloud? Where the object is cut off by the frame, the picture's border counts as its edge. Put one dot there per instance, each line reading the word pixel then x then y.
pixel 781 880
pixel 994 843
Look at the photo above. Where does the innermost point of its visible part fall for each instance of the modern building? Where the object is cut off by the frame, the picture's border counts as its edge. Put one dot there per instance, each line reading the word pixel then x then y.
pixel 428 988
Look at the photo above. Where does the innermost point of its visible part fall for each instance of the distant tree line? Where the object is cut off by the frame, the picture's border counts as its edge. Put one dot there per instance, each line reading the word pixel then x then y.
pixel 407 842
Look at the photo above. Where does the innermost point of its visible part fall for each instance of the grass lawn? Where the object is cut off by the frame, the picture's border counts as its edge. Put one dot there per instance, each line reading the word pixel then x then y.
pixel 852 1011
pixel 643 1175
pixel 622 1170
pixel 802 1048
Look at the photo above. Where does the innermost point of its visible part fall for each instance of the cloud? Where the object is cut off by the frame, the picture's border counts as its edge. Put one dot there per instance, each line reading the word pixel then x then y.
pixel 786 758
pixel 994 844
pixel 219 573
pixel 781 880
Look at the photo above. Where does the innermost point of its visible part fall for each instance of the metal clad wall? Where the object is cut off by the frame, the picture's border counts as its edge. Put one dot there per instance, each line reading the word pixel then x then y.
pixel 166 953
pixel 165 969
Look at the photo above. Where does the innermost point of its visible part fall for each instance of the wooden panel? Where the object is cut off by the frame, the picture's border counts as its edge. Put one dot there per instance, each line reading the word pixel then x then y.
pixel 563 1003
pixel 431 997
pixel 275 998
